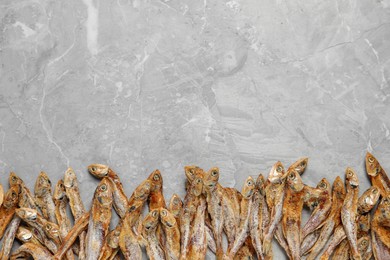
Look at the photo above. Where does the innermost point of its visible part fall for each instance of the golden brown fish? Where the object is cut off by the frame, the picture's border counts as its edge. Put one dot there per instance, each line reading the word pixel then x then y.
pixel 377 174
pixel 119 197
pixel 245 214
pixel 76 205
pixel 333 220
pixel 214 196
pixel 110 246
pixel 156 197
pixel 36 251
pixel 292 210
pixel 365 249
pixel 7 210
pixel 175 207
pixel 153 247
pixel 172 234
pixel 349 211
pixel 380 229
pixel 43 197
pixel 342 251
pixel 274 191
pixel 24 234
pixel 231 212
pixel 255 221
pixel 99 220
pixel 198 244
pixel 29 201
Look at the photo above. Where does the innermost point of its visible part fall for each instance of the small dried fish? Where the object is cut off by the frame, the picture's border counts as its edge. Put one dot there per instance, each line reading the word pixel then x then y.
pixel 214 196
pixel 292 209
pixel 156 198
pixel 79 227
pixel 153 247
pixel 99 220
pixel 43 197
pixel 245 214
pixel 7 210
pixel 338 236
pixel 377 174
pixel 364 245
pixel 342 251
pixel 175 207
pixel 110 246
pixel 119 197
pixel 231 213
pixel 368 200
pixel 380 231
pixel 25 235
pixel 76 205
pixel 334 220
pixel 172 234
pixel 36 251
pixel 274 191
pixel 349 211
pixel 198 243
pixel 9 237
pixel 28 201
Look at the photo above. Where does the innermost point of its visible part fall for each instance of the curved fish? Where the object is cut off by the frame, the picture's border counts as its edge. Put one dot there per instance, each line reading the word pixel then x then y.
pixel 377 174
pixel 120 202
pixel 43 197
pixel 29 249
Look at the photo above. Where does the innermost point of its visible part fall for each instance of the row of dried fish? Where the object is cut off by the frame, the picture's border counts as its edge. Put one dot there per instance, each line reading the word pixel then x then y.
pixel 341 224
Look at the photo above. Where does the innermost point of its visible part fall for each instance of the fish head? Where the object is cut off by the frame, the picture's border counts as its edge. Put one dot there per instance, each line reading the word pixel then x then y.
pixel 27 214
pixel 191 171
pixel 167 218
pixel 300 165
pixel 143 190
pixel 211 178
pixel 151 220
pixel 363 243
pixel 277 172
pixel 24 234
pixel 103 192
pixel 98 170
pixel 113 238
pixel 42 185
pixel 14 179
pixel 11 197
pixel 260 184
pixel 351 178
pixel 52 229
pixel 175 205
pixel 372 165
pixel 197 186
pixel 70 178
pixel 324 185
pixel 294 181
pixel 248 188
pixel 156 180
pixel 370 197
pixel 338 188
pixel 59 191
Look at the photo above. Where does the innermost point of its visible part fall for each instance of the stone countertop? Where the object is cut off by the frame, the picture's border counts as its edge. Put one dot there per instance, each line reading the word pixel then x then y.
pixel 140 85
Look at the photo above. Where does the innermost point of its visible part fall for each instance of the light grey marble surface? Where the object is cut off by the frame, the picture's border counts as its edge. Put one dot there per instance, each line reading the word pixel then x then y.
pixel 141 85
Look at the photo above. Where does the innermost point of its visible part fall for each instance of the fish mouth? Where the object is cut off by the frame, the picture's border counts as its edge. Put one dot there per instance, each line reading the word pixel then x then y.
pixel 169 224
pixel 354 184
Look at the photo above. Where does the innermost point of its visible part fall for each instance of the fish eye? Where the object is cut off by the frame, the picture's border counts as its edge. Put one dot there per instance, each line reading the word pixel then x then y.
pixel 132 208
pixel 375 190
pixel 370 159
pixel 350 174
pixel 364 242
pixel 291 176
pixel 93 169
pixel 323 185
pixel 198 181
pixel 154 214
pixel 48 226
pixel 214 173
pixel 192 171
pixel 156 177
pixel 13 178
pixel 103 187
pixel 303 164
pixel 48 181
pixel 163 213
pixel 250 183
pixel 279 169
pixel 13 195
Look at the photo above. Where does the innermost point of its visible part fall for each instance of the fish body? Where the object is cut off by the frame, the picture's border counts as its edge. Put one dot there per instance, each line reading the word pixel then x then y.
pixel 349 211
pixel 111 244
pixel 377 174
pixel 28 199
pixel 198 243
pixel 7 210
pixel 380 229
pixel 172 234
pixel 175 207
pixel 149 227
pixel 99 220
pixel 30 249
pixel 44 198
pixel 9 238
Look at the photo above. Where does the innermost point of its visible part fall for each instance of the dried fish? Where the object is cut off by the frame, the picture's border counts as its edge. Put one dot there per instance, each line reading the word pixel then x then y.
pixel 99 220
pixel 76 205
pixel 175 207
pixel 292 209
pixel 377 174
pixel 245 214
pixel 198 243
pixel 25 235
pixel 380 231
pixel 172 234
pixel 9 237
pixel 119 197
pixel 36 251
pixel 43 197
pixel 214 195
pixel 274 191
pixel 7 210
pixel 334 219
pixel 349 211
pixel 153 247
pixel 299 166
pixel 156 198
pixel 28 201
pixel 110 246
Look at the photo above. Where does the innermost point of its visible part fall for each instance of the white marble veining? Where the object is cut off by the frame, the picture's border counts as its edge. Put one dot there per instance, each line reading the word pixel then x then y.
pixel 148 84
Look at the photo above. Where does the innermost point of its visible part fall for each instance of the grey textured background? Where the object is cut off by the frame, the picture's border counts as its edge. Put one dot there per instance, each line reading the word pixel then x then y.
pixel 141 85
